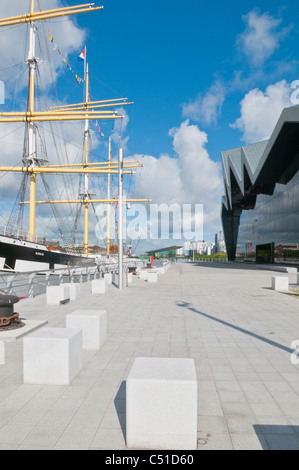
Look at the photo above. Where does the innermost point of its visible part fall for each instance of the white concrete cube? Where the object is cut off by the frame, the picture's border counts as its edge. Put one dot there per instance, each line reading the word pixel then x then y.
pixel 280 283
pixel 161 404
pixel 143 274
pixel 129 278
pixel 75 290
pixel 108 277
pixel 2 353
pixel 292 275
pixel 125 280
pixel 57 294
pixel 99 286
pixel 152 276
pixel 93 324
pixel 52 356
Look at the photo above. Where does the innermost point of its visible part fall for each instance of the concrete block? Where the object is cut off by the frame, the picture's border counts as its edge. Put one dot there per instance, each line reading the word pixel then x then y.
pixel 93 324
pixel 2 353
pixel 143 274
pixel 99 286
pixel 125 280
pixel 161 404
pixel 129 278
pixel 152 276
pixel 52 356
pixel 280 283
pixel 75 290
pixel 108 277
pixel 57 294
pixel 292 274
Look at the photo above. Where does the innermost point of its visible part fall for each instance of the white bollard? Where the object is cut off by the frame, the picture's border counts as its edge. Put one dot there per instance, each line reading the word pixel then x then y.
pixel 161 404
pixel 143 274
pixel 52 356
pixel 280 283
pixel 99 286
pixel 57 294
pixel 152 276
pixel 74 289
pixel 93 324
pixel 2 353
pixel 108 277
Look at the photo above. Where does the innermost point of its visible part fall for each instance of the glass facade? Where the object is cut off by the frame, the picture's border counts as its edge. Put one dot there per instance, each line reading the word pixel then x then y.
pixel 270 232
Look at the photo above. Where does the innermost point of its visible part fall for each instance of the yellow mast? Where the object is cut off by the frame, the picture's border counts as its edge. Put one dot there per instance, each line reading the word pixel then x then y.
pixel 45 15
pixel 80 111
pixel 30 117
pixel 86 142
pixel 77 201
pixel 108 207
pixel 31 126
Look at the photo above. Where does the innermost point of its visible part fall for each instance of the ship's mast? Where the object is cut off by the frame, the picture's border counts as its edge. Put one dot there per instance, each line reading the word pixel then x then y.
pixel 82 111
pixel 31 157
pixel 86 144
pixel 109 196
pixel 31 160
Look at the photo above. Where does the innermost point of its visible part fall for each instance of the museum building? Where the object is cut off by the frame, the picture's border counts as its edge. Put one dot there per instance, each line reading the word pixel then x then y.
pixel 260 209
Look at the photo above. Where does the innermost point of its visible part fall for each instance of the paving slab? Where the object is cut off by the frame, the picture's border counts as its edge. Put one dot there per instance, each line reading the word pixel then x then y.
pixel 223 315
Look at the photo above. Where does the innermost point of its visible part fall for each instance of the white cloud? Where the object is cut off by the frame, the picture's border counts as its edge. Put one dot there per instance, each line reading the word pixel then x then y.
pixel 191 178
pixel 261 110
pixel 14 42
pixel 13 53
pixel 261 36
pixel 206 108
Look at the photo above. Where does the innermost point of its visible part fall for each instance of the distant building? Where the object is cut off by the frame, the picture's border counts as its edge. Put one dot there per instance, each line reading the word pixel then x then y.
pixel 219 245
pixel 97 250
pixel 168 252
pixel 200 247
pixel 260 209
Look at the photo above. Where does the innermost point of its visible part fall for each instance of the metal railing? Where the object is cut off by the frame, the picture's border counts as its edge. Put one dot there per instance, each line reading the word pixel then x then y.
pixel 32 283
pixel 21 235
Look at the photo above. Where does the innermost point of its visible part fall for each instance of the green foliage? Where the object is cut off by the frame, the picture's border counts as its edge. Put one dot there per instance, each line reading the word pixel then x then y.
pixel 220 255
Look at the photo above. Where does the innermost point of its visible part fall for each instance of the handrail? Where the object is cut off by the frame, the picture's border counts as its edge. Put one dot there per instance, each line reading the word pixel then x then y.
pixel 31 283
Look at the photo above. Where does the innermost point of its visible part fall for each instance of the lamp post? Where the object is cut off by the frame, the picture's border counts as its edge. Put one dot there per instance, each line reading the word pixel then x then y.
pixel 120 219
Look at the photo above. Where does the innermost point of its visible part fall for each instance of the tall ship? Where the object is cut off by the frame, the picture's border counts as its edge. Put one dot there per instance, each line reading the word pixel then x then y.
pixel 22 249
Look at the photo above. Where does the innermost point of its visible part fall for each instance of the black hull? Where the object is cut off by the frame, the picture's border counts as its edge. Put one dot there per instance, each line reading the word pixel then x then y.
pixel 13 251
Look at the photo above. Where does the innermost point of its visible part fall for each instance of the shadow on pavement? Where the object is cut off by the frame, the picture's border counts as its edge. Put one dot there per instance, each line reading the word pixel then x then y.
pixel 242 330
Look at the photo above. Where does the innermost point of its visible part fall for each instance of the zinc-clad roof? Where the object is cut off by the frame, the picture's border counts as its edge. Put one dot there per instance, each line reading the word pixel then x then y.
pixel 266 163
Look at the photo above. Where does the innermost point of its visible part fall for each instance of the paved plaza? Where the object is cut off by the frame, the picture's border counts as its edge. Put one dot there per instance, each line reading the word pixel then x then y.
pixel 223 315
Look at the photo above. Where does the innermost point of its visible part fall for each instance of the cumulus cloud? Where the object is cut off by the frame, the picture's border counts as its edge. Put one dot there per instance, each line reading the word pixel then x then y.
pixel 14 42
pixel 190 178
pixel 206 107
pixel 13 52
pixel 261 36
pixel 261 110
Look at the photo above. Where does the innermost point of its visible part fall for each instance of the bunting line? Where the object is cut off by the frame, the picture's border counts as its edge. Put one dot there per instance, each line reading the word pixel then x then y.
pixel 56 48
pixel 99 129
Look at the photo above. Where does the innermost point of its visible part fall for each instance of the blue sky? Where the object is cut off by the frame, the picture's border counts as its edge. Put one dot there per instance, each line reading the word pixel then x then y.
pixel 162 54
pixel 204 77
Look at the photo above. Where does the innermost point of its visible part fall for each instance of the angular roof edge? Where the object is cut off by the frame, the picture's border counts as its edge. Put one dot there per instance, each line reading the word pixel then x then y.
pixel 266 163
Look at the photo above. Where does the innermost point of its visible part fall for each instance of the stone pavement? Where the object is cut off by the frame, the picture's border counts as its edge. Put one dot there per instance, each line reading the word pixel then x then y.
pixel 224 316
